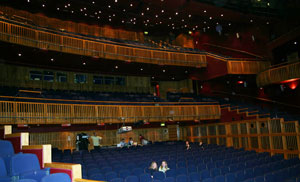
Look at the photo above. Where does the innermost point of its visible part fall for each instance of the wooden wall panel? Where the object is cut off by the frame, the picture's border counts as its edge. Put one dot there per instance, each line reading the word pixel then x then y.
pixel 66 140
pixel 263 135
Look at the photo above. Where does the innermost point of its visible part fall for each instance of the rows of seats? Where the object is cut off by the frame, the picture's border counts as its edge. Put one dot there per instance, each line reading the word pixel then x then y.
pixel 24 167
pixel 211 163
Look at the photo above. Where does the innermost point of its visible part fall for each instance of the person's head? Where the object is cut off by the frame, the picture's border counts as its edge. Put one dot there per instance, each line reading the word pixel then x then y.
pixel 130 138
pixel 123 140
pixel 94 133
pixel 164 164
pixel 187 142
pixel 153 165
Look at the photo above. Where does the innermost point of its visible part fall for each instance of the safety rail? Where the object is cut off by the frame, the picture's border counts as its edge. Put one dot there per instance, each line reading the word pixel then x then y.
pixel 32 37
pixel 52 113
pixel 277 74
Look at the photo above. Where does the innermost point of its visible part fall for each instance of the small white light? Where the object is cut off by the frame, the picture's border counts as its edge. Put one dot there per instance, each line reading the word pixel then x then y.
pixel 210 18
pixel 116 1
pixel 109 6
pixel 176 13
pixel 153 77
pixel 165 70
pixel 229 24
pixel 295 43
pixel 142 14
pixel 222 15
pixel 142 69
pixel 204 11
pixel 57 9
pixel 268 23
pixel 173 78
pixel 43 5
pixel 148 8
pixel 170 18
pixel 156 16
pixel 190 16
pixel 72 11
pixel 28 1
pixel 109 19
pixel 124 10
pixel 69 4
pixel 19 54
pixel 84 63
pixel 251 20
pixel 182 20
pixel 93 2
pixel 84 8
pixel 116 67
pixel 131 4
pixel 162 11
pixel 52 59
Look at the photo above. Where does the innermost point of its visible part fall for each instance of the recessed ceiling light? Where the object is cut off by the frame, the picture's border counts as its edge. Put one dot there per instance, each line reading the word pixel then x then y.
pixel 204 11
pixel 84 8
pixel 52 59
pixel 170 18
pixel 43 5
pixel 176 13
pixel 186 71
pixel 210 18
pixel 141 69
pixel 148 8
pixel 124 10
pixel 28 1
pixel 131 4
pixel 251 20
pixel 190 16
pixel 142 14
pixel 116 1
pixel 19 54
pixel 116 67
pixel 165 70
pixel 109 6
pixel 229 24
pixel 173 78
pixel 153 77
pixel 84 63
pixel 57 8
pixel 93 2
pixel 295 43
pixel 268 23
pixel 156 16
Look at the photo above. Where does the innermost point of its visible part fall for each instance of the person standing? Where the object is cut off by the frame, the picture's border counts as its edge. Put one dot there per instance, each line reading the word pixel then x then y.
pixel 96 141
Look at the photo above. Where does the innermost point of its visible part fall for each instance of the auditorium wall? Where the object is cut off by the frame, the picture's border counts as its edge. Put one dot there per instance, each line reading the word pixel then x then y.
pixel 20 76
pixel 66 139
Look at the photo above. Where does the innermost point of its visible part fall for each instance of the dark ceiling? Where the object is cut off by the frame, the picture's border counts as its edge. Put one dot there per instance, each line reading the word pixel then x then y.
pixel 163 16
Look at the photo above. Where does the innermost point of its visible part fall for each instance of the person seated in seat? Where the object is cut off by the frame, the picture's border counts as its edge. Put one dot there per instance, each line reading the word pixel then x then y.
pixel 153 168
pixel 122 143
pixel 163 167
pixel 201 145
pixel 187 145
pixel 130 142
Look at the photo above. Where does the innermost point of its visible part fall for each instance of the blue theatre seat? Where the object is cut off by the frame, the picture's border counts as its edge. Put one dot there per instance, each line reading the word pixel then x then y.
pixel 57 177
pixel 27 166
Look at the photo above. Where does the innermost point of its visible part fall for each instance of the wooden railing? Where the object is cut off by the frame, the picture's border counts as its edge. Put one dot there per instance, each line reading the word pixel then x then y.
pixel 278 74
pixel 263 135
pixel 80 28
pixel 49 113
pixel 33 37
pixel 246 67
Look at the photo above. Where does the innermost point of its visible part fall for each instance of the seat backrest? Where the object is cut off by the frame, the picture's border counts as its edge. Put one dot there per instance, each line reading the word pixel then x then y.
pixel 117 180
pixel 6 148
pixel 131 179
pixel 3 171
pixel 57 177
pixel 21 163
pixel 145 177
pixel 27 180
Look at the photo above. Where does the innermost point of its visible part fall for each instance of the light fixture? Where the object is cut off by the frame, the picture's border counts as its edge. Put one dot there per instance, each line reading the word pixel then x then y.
pixel 176 13
pixel 222 15
pixel 210 18
pixel 148 8
pixel 109 6
pixel 141 69
pixel 190 15
pixel 116 67
pixel 295 43
pixel 131 5
pixel 19 54
pixel 52 59
pixel 162 11
pixel 165 70
pixel 142 14
pixel 43 5
pixel 84 63
pixel 204 11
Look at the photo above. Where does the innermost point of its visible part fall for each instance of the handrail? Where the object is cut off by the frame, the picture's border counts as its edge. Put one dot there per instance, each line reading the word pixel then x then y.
pixel 12 112
pixel 278 74
pixel 235 50
pixel 110 102
pixel 45 40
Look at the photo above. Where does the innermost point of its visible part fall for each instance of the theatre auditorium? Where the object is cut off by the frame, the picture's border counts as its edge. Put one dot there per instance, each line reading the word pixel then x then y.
pixel 149 91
